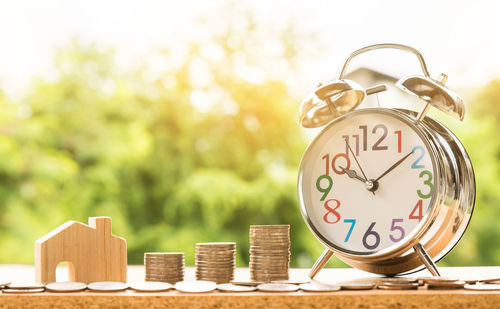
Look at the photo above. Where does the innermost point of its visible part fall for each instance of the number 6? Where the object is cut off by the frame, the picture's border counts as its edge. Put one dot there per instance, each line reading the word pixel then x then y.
pixel 374 234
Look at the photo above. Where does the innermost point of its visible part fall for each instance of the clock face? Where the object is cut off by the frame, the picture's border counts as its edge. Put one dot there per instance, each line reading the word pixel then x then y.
pixel 367 182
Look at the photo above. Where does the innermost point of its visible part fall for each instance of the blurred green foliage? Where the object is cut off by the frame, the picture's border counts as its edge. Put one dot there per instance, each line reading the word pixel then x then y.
pixel 171 167
pixel 174 162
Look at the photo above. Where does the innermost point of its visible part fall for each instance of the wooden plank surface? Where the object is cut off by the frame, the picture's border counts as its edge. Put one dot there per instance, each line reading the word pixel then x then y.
pixel 421 298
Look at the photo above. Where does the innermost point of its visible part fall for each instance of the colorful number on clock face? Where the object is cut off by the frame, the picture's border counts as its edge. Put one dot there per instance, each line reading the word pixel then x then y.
pixel 341 208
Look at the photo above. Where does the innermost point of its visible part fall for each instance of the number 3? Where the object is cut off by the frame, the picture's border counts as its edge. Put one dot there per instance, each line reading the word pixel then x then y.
pixel 427 182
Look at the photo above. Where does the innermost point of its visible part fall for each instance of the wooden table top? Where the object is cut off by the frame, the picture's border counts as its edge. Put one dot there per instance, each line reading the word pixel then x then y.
pixel 421 298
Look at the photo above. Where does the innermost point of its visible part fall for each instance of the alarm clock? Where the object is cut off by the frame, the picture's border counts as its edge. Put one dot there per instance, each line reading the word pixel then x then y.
pixel 386 190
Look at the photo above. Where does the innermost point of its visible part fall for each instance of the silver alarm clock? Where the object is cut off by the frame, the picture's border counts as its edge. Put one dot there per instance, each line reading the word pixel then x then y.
pixel 386 190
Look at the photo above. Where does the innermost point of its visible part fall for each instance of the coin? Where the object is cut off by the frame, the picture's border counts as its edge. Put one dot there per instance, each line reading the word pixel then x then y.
pixel 107 286
pixel 4 283
pixel 263 234
pixel 293 281
pixel 246 283
pixel 209 260
pixel 65 286
pixel 26 286
pixel 270 278
pixel 445 285
pixel 268 227
pixel 275 275
pixel 276 239
pixel 22 291
pixel 162 278
pixel 149 286
pixel 277 287
pixel 228 287
pixel 398 286
pixel 489 280
pixel 221 244
pixel 397 280
pixel 482 287
pixel 440 279
pixel 169 280
pixel 357 285
pixel 217 255
pixel 164 253
pixel 270 267
pixel 318 287
pixel 271 258
pixel 198 286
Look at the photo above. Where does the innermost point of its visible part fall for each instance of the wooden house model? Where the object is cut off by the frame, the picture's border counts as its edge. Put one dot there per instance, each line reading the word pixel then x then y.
pixel 91 252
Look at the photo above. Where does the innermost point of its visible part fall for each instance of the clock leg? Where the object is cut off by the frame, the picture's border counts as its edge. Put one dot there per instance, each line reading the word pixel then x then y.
pixel 426 259
pixel 320 263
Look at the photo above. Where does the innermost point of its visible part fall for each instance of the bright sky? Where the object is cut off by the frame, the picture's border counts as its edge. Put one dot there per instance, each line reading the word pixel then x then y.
pixel 459 38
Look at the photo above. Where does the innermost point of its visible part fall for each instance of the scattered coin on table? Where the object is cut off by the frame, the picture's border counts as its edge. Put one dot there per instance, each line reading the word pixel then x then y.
pixel 398 280
pixel 319 287
pixel 22 291
pixel 490 280
pixel 107 286
pixel 374 280
pixel 25 285
pixel 444 285
pixel 398 286
pixel 228 287
pixel 65 286
pixel 357 285
pixel 482 287
pixel 440 279
pixel 246 283
pixel 468 280
pixel 277 287
pixel 198 286
pixel 292 281
pixel 3 285
pixel 150 286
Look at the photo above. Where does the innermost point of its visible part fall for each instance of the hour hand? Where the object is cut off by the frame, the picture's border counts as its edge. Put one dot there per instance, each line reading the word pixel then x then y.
pixel 352 174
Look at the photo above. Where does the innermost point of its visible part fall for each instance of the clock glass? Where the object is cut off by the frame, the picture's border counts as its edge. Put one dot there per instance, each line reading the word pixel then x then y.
pixel 367 182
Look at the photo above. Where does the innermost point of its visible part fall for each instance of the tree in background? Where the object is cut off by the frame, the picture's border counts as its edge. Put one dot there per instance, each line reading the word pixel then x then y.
pixel 193 151
pixel 479 133
pixel 196 153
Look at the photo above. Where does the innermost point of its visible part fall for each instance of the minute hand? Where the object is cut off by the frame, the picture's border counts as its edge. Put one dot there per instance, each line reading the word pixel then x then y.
pixel 394 166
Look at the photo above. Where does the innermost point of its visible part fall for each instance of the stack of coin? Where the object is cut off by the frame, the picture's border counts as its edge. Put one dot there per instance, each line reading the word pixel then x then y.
pixel 215 261
pixel 269 252
pixel 164 266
